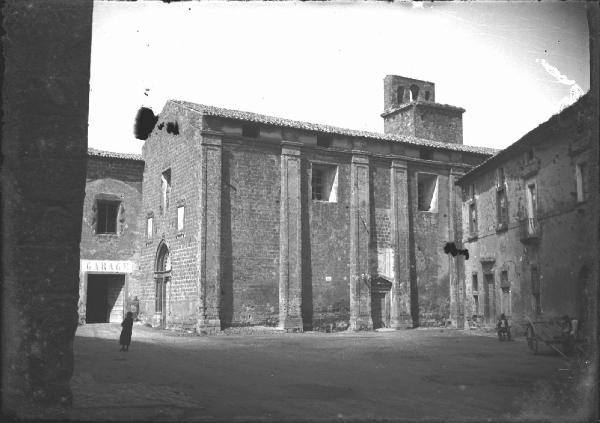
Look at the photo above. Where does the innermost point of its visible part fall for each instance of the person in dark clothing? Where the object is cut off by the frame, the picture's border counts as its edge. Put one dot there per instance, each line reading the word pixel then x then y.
pixel 503 328
pixel 125 338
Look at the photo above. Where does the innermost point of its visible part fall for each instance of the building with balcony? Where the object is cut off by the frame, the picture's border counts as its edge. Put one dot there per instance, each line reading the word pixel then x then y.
pixel 529 223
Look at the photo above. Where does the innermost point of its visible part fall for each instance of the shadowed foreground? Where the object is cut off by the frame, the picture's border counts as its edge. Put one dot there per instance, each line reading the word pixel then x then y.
pixel 401 375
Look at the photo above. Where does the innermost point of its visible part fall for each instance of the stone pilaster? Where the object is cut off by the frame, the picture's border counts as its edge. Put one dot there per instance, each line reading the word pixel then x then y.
pixel 290 239
pixel 209 236
pixel 400 292
pixel 456 265
pixel 360 292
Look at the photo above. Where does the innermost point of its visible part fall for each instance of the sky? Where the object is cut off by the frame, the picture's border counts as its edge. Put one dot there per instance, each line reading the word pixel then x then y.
pixel 510 65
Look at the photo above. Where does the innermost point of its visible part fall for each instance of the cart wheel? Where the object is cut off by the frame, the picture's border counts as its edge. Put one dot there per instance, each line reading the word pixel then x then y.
pixel 532 342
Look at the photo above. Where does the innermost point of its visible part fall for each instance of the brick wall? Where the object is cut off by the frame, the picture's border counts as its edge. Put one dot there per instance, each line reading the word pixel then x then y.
pixel 181 154
pixel 250 233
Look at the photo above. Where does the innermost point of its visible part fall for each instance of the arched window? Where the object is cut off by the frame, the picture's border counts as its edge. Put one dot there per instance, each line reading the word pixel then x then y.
pixel 400 95
pixel 414 92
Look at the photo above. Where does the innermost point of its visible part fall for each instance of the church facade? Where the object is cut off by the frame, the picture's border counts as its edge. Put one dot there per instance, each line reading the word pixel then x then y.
pixel 249 219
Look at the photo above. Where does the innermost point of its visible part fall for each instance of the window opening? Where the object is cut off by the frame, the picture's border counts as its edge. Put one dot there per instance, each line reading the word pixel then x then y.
pixel 414 92
pixel 473 219
pixel 426 154
pixel 580 177
pixel 475 283
pixel 427 192
pixel 324 140
pixel 400 95
pixel 531 201
pixel 502 207
pixel 501 177
pixel 530 155
pixel 107 215
pixel 165 183
pixel 180 217
pixel 149 228
pixel 427 95
pixel 324 182
pixel 250 131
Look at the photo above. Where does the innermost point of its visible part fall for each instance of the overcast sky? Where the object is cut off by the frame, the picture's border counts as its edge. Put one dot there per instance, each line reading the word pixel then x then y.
pixel 510 65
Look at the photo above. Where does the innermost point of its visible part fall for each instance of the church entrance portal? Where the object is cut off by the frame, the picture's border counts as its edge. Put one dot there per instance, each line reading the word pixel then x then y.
pixel 105 298
pixel 162 276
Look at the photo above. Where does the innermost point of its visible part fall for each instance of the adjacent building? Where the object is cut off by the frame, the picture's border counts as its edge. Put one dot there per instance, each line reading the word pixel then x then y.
pixel 111 235
pixel 250 219
pixel 530 223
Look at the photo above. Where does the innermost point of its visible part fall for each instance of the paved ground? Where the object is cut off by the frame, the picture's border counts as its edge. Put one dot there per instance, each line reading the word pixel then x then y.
pixel 428 374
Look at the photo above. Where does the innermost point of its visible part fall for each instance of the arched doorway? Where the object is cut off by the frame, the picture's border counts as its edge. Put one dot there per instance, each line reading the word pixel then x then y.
pixel 162 276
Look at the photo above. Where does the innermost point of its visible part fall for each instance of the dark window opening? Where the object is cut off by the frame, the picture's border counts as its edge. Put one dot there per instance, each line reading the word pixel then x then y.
pixel 476 305
pixel 427 95
pixel 427 192
pixel 400 95
pixel 324 140
pixel 581 181
pixel 426 154
pixel 173 128
pixel 107 212
pixel 414 93
pixel 165 183
pixel 530 155
pixel 504 282
pixel 501 176
pixel 473 219
pixel 250 131
pixel 475 283
pixel 502 208
pixel 324 183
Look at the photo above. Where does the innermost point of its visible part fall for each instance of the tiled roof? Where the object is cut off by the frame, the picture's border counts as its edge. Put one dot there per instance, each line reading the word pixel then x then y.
pixel 113 155
pixel 524 140
pixel 276 121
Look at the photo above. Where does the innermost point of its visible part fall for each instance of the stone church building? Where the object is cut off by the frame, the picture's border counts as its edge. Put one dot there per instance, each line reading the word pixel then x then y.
pixel 258 220
pixel 242 219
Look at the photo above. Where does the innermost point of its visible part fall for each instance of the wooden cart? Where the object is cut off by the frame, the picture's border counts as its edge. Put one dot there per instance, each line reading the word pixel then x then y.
pixel 551 333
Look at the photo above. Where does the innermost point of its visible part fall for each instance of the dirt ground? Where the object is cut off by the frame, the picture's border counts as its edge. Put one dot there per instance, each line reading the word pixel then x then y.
pixel 408 375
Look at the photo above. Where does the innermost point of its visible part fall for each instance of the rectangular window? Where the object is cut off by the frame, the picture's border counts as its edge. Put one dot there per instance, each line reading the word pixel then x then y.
pixel 426 154
pixel 475 283
pixel 250 131
pixel 501 177
pixel 165 187
pixel 107 213
pixel 324 140
pixel 473 219
pixel 180 217
pixel 324 182
pixel 531 200
pixel 504 283
pixel 427 192
pixel 476 305
pixel 581 179
pixel 472 191
pixel 149 228
pixel 502 208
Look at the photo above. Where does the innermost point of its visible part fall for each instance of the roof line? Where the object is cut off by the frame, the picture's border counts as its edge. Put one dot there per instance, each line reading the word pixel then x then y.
pixel 316 127
pixel 113 155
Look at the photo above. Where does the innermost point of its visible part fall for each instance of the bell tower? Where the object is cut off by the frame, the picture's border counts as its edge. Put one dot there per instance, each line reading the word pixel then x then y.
pixel 410 110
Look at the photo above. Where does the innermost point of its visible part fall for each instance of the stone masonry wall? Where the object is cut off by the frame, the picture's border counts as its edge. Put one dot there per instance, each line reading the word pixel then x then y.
pixel 44 149
pixel 181 153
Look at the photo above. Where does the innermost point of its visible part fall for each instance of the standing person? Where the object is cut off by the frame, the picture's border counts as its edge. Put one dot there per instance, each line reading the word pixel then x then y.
pixel 125 338
pixel 503 327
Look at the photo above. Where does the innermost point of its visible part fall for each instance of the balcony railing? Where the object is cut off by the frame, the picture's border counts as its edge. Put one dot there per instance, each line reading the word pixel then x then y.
pixel 530 229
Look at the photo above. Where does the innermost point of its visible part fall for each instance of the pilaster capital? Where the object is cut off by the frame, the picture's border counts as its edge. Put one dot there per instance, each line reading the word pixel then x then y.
pixel 399 164
pixel 290 148
pixel 210 138
pixel 360 157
